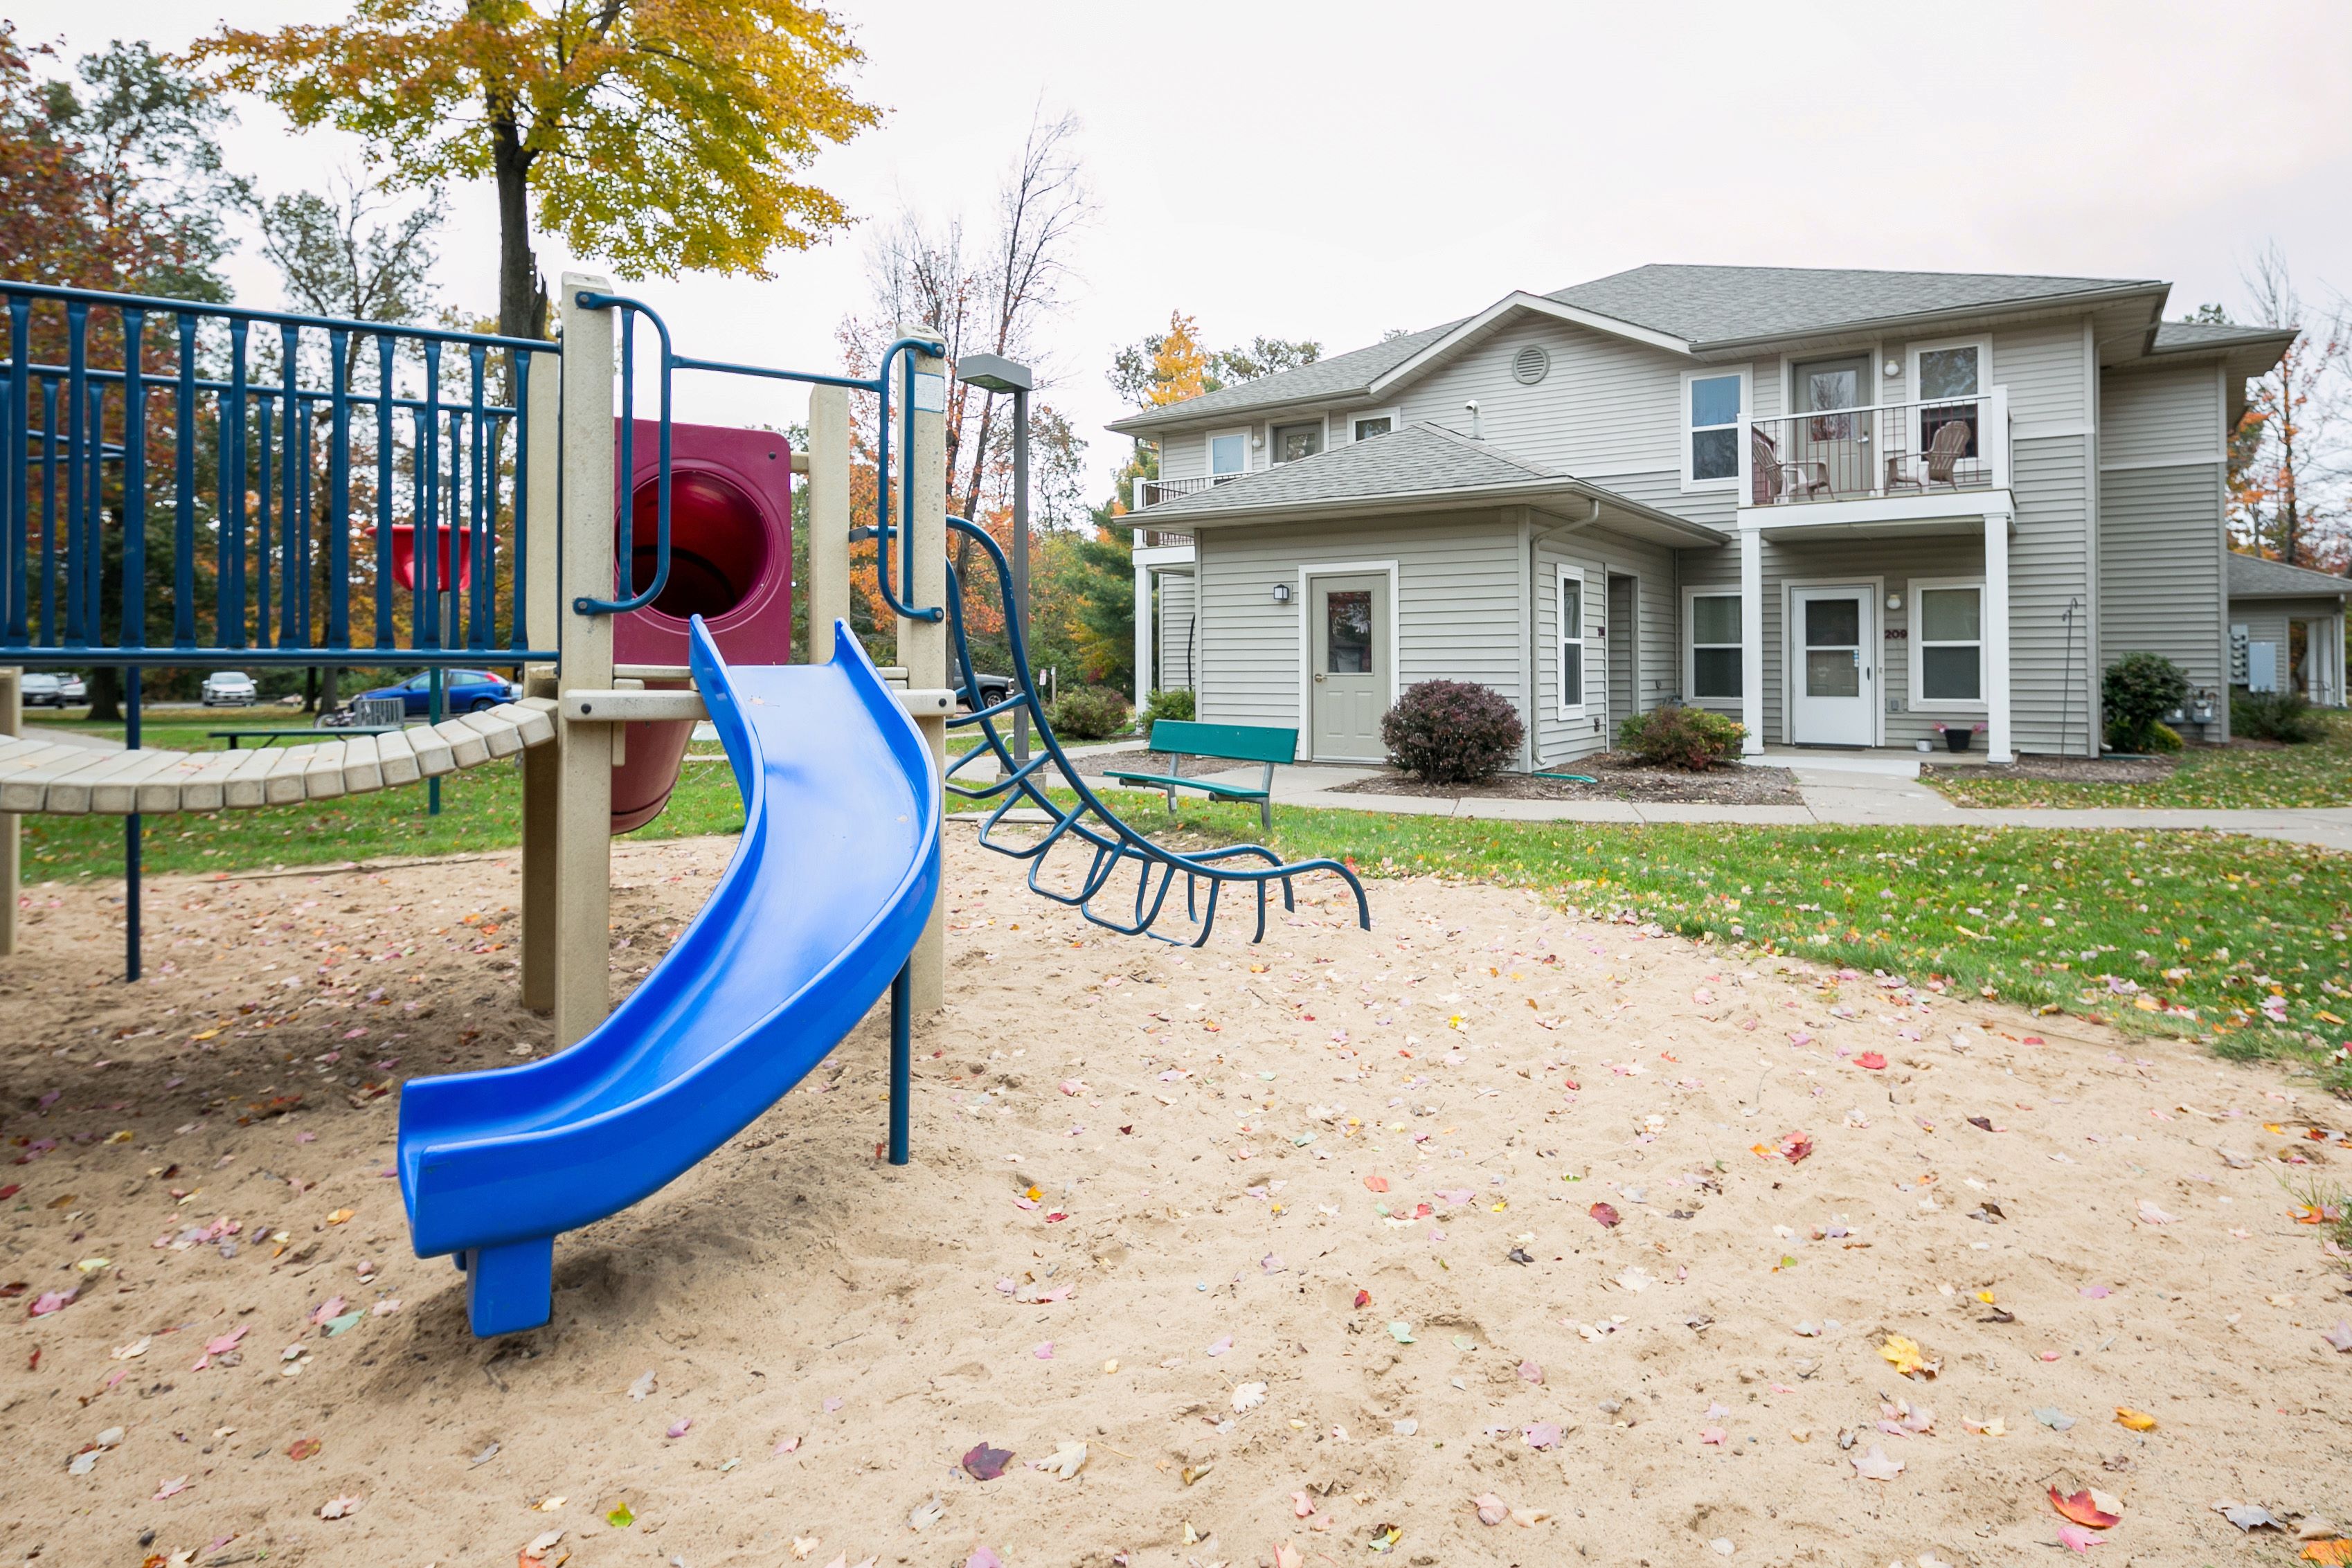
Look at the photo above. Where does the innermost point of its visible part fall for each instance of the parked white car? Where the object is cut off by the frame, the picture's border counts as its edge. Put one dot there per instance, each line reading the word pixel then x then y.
pixel 53 688
pixel 230 688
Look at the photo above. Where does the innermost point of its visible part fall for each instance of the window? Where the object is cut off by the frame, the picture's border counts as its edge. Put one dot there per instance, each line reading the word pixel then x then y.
pixel 1348 632
pixel 1228 455
pixel 1713 404
pixel 1948 644
pixel 1293 442
pixel 1364 427
pixel 1714 647
pixel 1947 379
pixel 1571 641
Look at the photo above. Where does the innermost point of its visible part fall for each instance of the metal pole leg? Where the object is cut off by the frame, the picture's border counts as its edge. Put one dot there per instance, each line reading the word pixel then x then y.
pixel 902 1058
pixel 131 835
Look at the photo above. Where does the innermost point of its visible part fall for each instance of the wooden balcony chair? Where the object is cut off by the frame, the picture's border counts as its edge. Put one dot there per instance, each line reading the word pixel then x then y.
pixel 1774 479
pixel 1938 465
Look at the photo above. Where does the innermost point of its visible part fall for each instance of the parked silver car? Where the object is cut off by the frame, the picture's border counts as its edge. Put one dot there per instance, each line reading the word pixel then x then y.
pixel 230 688
pixel 53 688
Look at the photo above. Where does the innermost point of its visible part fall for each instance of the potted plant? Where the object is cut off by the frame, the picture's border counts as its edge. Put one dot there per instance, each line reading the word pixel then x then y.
pixel 1959 737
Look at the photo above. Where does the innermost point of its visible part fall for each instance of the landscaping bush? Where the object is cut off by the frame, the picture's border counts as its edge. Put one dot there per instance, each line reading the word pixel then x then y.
pixel 1169 702
pixel 2139 690
pixel 2164 740
pixel 2273 715
pixel 1451 732
pixel 1690 739
pixel 1090 712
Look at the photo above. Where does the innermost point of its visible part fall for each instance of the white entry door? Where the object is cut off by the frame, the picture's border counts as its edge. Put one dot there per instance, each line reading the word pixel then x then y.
pixel 1835 654
pixel 1348 622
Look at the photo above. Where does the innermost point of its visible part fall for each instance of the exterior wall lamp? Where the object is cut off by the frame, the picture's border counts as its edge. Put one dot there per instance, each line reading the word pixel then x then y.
pixel 1282 593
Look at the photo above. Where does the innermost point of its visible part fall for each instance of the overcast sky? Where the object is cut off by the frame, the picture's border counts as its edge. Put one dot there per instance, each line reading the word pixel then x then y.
pixel 1330 171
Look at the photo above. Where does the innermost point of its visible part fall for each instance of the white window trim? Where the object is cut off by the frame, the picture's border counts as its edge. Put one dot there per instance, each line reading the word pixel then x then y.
pixel 1395 416
pixel 1683 429
pixel 1980 342
pixel 1209 451
pixel 1308 573
pixel 1917 621
pixel 1562 572
pixel 1690 646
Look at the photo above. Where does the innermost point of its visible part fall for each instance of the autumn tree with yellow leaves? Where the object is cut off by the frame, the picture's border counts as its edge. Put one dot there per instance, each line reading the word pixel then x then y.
pixel 659 135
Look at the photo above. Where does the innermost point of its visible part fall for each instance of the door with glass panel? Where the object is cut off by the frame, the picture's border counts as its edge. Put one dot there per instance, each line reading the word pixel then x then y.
pixel 1833 446
pixel 1348 618
pixel 1835 696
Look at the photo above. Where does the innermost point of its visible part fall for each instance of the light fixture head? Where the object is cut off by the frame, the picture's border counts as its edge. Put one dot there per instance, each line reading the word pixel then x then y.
pixel 1892 368
pixel 1282 593
pixel 1895 602
pixel 994 372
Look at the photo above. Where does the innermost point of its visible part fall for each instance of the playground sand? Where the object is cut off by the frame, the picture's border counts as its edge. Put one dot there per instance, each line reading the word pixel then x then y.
pixel 1140 1216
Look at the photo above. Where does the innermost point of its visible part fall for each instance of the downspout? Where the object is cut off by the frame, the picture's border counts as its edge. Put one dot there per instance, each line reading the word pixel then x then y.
pixel 1535 541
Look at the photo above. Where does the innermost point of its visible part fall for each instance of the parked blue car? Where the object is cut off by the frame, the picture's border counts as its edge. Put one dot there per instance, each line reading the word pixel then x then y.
pixel 467 691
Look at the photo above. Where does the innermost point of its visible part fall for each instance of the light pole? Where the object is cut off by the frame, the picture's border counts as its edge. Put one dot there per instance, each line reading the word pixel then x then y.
pixel 994 372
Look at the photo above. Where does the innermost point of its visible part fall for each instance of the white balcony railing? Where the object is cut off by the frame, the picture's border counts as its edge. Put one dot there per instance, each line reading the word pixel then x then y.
pixel 1152 491
pixel 1889 450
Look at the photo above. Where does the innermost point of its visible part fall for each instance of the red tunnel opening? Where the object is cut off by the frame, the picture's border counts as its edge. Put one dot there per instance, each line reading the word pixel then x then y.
pixel 718 547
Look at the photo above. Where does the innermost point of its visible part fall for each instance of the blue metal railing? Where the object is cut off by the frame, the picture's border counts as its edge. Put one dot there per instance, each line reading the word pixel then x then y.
pixel 901 598
pixel 1112 846
pixel 268 485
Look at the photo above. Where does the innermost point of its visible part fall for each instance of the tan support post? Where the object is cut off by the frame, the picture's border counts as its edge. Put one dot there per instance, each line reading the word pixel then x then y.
pixel 583 816
pixel 543 615
pixel 923 645
pixel 828 515
pixel 11 723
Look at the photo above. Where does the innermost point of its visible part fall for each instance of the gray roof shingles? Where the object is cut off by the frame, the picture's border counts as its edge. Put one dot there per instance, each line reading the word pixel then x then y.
pixel 2252 577
pixel 1420 459
pixel 1700 305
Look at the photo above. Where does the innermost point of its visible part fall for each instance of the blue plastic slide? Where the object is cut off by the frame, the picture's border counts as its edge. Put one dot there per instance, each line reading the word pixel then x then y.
pixel 829 888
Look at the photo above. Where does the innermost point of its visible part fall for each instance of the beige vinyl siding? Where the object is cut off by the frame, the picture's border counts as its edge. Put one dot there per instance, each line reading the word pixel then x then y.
pixel 1460 612
pixel 1184 455
pixel 1652 645
pixel 2044 366
pixel 1178 634
pixel 2049 565
pixel 2160 536
pixel 2168 415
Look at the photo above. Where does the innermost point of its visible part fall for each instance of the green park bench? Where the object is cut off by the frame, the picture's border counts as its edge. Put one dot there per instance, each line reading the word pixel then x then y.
pixel 1181 738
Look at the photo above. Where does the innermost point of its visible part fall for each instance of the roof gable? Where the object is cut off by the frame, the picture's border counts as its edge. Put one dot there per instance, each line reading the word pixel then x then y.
pixel 2254 576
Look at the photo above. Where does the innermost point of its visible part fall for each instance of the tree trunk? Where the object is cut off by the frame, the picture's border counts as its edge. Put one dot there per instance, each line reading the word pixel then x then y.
pixel 522 295
pixel 106 695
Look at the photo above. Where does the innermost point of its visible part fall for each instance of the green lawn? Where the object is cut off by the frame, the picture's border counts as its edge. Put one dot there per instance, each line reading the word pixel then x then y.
pixel 2319 774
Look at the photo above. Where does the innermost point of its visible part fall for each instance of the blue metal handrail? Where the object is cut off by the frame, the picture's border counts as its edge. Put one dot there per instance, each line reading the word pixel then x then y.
pixel 1115 845
pixel 265 480
pixel 672 362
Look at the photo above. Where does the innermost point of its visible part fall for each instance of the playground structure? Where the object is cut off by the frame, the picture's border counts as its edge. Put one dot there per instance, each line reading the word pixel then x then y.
pixel 522 465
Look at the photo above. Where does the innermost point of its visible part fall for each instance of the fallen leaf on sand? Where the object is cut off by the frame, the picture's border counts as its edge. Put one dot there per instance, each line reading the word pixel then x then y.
pixel 2084 1508
pixel 1542 1434
pixel 1400 1331
pixel 2249 1516
pixel 1286 1555
pixel 172 1488
pixel 1906 1356
pixel 1795 1146
pixel 1875 1466
pixel 679 1428
pixel 536 1551
pixel 2074 1538
pixel 1635 1278
pixel 2340 1336
pixel 1870 1060
pixel 620 1516
pixel 1248 1396
pixel 1529 1518
pixel 2138 1420
pixel 1301 1505
pixel 644 1385
pixel 339 1508
pixel 340 1216
pixel 1376 1184
pixel 2151 1215
pixel 1995 1427
pixel 786 1447
pixel 927 1513
pixel 2050 1415
pixel 1492 1510
pixel 1067 1460
pixel 303 1448
pixel 1605 1213
pixel 1225 1342
pixel 984 1463
pixel 1531 1372
pixel 2337 1553
pixel 1364 1298
pixel 803 1545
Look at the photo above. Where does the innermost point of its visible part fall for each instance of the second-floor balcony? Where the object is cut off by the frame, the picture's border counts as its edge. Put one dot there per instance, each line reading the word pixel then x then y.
pixel 1152 491
pixel 1885 451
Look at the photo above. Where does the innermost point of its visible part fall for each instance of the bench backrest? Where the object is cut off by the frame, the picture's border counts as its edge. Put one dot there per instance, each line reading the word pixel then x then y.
pixel 1239 742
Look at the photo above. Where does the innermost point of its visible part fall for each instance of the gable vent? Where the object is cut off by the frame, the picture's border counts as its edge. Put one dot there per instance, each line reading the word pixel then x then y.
pixel 1530 365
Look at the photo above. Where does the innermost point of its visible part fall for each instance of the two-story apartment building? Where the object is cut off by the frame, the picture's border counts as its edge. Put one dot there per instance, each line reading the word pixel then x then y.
pixel 1842 507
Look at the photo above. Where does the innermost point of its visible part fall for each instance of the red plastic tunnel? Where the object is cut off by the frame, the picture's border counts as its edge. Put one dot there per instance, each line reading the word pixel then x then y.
pixel 730 562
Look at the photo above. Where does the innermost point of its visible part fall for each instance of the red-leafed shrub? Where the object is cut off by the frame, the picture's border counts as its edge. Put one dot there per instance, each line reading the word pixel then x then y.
pixel 1451 732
